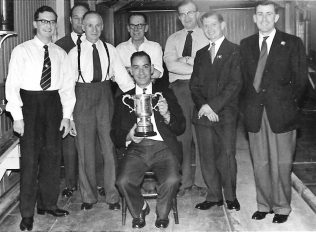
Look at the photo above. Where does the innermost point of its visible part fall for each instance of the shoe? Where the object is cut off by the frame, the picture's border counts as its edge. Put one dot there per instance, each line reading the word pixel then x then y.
pixel 140 222
pixel 259 215
pixel 27 223
pixel 208 204
pixel 67 192
pixel 55 212
pixel 101 191
pixel 114 206
pixel 233 205
pixel 184 191
pixel 280 218
pixel 86 206
pixel 162 223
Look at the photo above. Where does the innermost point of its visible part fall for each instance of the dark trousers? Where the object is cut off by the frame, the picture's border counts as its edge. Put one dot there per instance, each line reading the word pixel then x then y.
pixel 218 149
pixel 182 91
pixel 40 150
pixel 92 116
pixel 139 158
pixel 272 156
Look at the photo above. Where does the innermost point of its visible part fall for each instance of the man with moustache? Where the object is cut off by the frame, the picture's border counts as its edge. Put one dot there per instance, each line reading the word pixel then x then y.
pixel 159 153
pixel 275 73
pixel 40 99
pixel 215 84
pixel 69 152
pixel 179 58
pixel 94 107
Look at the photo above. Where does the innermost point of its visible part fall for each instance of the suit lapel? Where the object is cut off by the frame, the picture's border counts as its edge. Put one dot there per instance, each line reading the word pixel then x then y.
pixel 254 47
pixel 274 50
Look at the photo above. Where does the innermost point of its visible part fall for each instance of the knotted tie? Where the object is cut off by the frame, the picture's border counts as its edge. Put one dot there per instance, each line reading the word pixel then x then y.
pixel 97 71
pixel 79 39
pixel 46 72
pixel 212 52
pixel 144 90
pixel 187 49
pixel 261 64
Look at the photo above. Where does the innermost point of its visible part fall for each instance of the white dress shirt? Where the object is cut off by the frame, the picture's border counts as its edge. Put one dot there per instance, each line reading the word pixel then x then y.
pixel 153 49
pixel 74 37
pixel 269 40
pixel 174 48
pixel 117 69
pixel 149 88
pixel 218 43
pixel 25 71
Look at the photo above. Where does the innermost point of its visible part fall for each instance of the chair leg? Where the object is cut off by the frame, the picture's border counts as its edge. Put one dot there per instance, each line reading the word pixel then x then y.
pixel 124 208
pixel 175 210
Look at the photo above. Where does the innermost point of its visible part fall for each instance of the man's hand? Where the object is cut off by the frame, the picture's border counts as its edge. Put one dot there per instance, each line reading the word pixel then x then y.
pixel 18 126
pixel 207 111
pixel 65 124
pixel 72 131
pixel 131 137
pixel 163 109
pixel 182 59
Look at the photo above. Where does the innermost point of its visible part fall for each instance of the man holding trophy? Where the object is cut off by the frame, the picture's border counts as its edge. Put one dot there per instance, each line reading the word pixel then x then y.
pixel 149 125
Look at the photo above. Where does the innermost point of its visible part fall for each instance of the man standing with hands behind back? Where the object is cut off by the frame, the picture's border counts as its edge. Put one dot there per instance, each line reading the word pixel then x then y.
pixel 179 58
pixel 274 70
pixel 69 152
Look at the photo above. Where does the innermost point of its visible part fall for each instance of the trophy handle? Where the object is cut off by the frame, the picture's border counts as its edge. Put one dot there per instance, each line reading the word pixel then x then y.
pixel 155 95
pixel 123 100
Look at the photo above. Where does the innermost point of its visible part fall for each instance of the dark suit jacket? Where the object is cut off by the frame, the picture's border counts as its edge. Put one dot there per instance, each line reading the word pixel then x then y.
pixel 283 82
pixel 216 84
pixel 66 43
pixel 123 121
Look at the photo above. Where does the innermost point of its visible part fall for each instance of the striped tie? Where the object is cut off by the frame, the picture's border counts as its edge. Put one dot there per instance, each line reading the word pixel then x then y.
pixel 46 72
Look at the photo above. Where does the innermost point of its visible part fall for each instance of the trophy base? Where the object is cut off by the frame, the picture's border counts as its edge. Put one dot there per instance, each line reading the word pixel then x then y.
pixel 145 134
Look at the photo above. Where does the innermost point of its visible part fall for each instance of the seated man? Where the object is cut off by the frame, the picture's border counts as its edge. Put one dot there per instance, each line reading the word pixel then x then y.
pixel 160 153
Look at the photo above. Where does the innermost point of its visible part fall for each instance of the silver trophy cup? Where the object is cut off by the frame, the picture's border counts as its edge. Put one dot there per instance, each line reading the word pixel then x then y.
pixel 143 109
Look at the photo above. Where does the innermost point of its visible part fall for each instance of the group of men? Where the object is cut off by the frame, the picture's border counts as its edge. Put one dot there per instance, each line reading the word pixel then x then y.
pixel 51 94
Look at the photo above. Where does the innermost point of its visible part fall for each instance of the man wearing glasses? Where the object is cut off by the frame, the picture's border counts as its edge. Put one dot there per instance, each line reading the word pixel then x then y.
pixel 179 58
pixel 137 28
pixel 41 99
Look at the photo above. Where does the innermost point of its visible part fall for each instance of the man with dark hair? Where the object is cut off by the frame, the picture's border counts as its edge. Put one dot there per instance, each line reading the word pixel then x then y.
pixel 179 58
pixel 159 153
pixel 215 84
pixel 137 27
pixel 69 152
pixel 41 99
pixel 94 107
pixel 274 70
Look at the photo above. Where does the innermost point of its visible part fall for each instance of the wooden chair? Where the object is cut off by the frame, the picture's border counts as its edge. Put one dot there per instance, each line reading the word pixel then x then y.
pixel 151 195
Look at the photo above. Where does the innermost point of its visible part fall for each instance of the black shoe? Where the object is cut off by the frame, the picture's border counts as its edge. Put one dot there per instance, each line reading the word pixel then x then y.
pixel 259 215
pixel 55 212
pixel 280 218
pixel 140 222
pixel 208 204
pixel 27 223
pixel 114 206
pixel 86 206
pixel 67 192
pixel 101 191
pixel 162 223
pixel 233 205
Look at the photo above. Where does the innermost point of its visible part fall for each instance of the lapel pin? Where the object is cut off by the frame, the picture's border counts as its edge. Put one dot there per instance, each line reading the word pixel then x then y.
pixel 219 57
pixel 283 43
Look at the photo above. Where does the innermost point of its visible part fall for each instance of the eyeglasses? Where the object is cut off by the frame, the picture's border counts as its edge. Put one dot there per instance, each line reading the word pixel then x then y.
pixel 137 26
pixel 189 13
pixel 46 22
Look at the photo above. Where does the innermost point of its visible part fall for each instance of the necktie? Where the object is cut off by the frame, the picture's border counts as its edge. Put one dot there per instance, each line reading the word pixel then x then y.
pixel 78 40
pixel 144 90
pixel 97 71
pixel 212 52
pixel 261 64
pixel 46 72
pixel 187 49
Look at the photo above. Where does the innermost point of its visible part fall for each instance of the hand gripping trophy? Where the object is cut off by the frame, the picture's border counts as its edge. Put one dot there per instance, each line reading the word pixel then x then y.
pixel 143 109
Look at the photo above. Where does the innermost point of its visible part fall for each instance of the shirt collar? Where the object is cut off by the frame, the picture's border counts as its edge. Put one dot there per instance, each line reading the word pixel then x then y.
pixel 218 43
pixel 74 36
pixel 149 89
pixel 271 35
pixel 131 43
pixel 39 43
